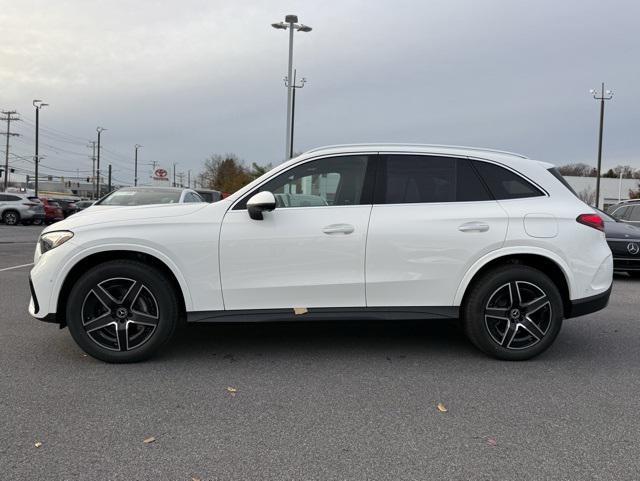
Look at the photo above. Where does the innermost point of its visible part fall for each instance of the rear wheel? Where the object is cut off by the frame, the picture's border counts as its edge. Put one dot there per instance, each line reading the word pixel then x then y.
pixel 122 311
pixel 513 313
pixel 11 217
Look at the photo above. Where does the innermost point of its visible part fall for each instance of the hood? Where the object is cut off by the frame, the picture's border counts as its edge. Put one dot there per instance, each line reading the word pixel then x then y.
pixel 93 216
pixel 621 230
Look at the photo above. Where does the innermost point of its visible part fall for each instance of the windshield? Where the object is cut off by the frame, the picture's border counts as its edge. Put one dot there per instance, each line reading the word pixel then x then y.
pixel 141 197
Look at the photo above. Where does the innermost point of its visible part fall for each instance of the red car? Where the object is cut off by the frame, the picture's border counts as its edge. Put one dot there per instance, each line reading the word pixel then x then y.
pixel 52 211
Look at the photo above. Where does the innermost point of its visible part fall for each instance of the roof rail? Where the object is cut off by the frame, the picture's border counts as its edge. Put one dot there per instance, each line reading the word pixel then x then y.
pixel 398 144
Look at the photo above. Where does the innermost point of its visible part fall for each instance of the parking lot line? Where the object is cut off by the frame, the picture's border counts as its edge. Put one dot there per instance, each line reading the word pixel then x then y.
pixel 16 267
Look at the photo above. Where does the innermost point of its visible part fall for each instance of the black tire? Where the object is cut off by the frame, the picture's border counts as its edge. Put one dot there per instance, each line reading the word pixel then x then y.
pixel 501 325
pixel 27 222
pixel 38 222
pixel 11 217
pixel 133 302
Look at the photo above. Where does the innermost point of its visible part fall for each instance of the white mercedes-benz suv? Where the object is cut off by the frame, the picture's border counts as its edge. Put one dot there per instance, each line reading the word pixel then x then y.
pixel 376 231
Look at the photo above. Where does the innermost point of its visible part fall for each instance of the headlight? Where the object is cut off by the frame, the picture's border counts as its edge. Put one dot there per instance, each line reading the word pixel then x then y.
pixel 51 240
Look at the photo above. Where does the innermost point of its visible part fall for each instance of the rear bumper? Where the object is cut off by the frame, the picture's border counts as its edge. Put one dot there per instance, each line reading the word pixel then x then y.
pixel 587 305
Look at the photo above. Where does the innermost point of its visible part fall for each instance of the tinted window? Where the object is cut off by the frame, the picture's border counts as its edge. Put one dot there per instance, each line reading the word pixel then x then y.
pixel 3 197
pixel 634 213
pixel 621 212
pixel 11 198
pixel 504 184
pixel 422 178
pixel 322 182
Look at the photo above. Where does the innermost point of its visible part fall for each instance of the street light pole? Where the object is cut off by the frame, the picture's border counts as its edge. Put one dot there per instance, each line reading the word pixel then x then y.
pixel 99 130
pixel 135 175
pixel 294 87
pixel 290 22
pixel 174 173
pixel 38 104
pixel 603 95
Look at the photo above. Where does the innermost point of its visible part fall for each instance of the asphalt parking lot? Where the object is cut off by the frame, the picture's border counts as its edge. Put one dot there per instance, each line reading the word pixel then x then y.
pixel 318 401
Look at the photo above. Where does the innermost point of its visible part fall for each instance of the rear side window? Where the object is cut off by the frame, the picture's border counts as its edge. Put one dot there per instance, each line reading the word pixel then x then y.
pixel 427 179
pixel 12 198
pixel 634 213
pixel 621 212
pixel 504 184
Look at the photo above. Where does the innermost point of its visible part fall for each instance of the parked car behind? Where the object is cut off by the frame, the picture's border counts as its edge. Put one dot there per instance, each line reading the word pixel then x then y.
pixel 68 206
pixel 84 204
pixel 130 196
pixel 624 241
pixel 210 195
pixel 52 211
pixel 16 208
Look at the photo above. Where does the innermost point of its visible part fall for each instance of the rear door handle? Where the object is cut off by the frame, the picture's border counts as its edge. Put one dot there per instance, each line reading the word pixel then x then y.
pixel 474 227
pixel 338 229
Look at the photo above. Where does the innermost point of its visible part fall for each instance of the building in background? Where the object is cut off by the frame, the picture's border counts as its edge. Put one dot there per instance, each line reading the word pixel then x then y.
pixel 612 191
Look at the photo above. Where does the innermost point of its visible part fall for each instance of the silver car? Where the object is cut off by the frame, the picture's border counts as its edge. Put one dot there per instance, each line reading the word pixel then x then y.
pixel 130 196
pixel 16 208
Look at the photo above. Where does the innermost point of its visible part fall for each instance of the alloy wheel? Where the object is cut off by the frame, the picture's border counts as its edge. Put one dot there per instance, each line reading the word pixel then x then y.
pixel 518 315
pixel 11 218
pixel 120 314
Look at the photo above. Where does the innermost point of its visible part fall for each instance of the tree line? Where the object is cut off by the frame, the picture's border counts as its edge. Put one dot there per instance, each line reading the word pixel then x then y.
pixel 583 170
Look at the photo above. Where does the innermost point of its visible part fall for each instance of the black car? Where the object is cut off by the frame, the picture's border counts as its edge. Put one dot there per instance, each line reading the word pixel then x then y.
pixel 624 242
pixel 68 206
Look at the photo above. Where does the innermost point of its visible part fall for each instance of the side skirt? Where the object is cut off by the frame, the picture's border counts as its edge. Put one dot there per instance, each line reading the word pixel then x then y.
pixel 327 314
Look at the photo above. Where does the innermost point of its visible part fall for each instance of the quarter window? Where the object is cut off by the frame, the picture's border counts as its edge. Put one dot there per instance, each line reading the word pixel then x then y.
pixel 504 184
pixel 322 182
pixel 425 179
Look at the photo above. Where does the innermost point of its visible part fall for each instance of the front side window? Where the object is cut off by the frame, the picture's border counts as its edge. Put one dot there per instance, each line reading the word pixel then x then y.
pixel 331 181
pixel 505 184
pixel 621 212
pixel 427 179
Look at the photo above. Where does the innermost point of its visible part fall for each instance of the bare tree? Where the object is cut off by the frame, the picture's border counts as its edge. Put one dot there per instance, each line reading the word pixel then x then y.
pixel 577 170
pixel 588 195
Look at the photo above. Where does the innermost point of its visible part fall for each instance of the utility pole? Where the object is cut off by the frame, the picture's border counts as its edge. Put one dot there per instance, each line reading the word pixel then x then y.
pixel 174 173
pixel 9 117
pixel 603 95
pixel 181 177
pixel 189 178
pixel 38 104
pixel 290 22
pixel 109 181
pixel 93 165
pixel 294 86
pixel 99 130
pixel 135 175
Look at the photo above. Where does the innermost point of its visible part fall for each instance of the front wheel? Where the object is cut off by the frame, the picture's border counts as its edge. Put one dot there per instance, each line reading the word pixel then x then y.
pixel 122 311
pixel 11 217
pixel 513 313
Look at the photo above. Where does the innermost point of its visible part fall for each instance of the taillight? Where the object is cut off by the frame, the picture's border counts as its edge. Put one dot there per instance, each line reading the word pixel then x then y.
pixel 592 220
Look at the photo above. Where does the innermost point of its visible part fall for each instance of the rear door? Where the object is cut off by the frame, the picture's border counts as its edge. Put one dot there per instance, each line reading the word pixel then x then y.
pixel 432 219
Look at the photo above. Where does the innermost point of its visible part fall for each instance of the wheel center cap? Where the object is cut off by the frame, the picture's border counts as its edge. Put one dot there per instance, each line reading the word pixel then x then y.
pixel 121 313
pixel 515 313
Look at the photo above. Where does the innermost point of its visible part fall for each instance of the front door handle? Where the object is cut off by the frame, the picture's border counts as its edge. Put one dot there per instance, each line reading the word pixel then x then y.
pixel 474 227
pixel 338 229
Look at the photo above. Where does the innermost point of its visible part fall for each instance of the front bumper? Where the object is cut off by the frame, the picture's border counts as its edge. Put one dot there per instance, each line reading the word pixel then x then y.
pixel 587 305
pixel 626 263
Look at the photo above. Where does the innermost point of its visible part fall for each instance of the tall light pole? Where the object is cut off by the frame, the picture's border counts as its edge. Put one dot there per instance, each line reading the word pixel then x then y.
pixel 135 175
pixel 174 173
pixel 38 104
pixel 291 23
pixel 99 130
pixel 603 95
pixel 294 86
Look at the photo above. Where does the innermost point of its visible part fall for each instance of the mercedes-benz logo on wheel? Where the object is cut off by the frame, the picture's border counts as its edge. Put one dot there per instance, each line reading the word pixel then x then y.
pixel 633 248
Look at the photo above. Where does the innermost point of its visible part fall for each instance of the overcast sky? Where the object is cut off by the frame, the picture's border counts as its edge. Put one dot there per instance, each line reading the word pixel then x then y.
pixel 189 78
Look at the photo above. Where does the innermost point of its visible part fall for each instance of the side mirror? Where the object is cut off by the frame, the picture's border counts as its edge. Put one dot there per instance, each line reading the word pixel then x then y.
pixel 259 203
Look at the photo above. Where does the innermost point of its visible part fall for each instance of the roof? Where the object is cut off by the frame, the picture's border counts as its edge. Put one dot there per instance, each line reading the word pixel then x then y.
pixel 422 148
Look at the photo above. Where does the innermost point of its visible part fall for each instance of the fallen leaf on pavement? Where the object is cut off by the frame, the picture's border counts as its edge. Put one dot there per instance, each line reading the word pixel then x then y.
pixel 492 441
pixel 38 444
pixel 149 440
pixel 232 390
pixel 195 479
pixel 442 408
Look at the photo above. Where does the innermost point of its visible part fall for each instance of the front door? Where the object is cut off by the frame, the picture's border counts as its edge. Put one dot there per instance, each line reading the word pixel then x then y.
pixel 310 250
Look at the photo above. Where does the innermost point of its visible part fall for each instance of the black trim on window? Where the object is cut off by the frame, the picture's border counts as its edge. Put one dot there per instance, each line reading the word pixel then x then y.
pixel 367 186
